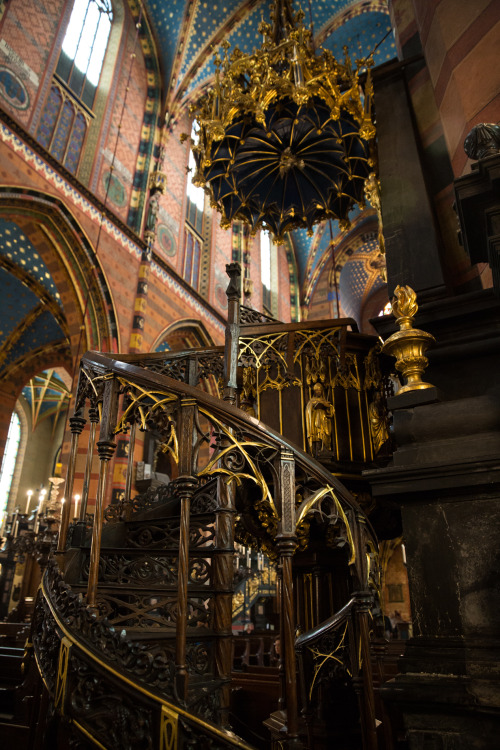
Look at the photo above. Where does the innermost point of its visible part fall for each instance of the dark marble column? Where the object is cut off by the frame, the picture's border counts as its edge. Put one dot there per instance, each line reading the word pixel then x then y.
pixel 445 476
pixel 413 250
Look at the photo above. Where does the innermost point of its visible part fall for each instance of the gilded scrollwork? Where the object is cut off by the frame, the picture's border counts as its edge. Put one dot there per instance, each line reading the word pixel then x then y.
pixel 330 655
pixel 379 422
pixel 148 408
pixel 236 461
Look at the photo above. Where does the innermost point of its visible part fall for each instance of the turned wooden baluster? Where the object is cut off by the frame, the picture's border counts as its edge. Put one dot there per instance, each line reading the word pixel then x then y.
pixel 186 485
pixel 223 564
pixel 76 423
pixel 233 293
pixel 287 544
pixel 105 448
pixel 130 462
pixel 94 419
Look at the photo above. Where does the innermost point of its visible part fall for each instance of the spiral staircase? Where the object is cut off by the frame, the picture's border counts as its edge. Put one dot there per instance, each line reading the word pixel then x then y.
pixel 131 643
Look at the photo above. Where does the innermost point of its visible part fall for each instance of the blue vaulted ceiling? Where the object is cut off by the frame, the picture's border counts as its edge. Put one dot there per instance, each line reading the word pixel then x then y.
pixel 188 32
pixel 31 316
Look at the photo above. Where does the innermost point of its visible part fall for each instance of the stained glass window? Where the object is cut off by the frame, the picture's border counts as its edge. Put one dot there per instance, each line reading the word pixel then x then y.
pixel 195 194
pixel 64 121
pixel 84 46
pixel 192 252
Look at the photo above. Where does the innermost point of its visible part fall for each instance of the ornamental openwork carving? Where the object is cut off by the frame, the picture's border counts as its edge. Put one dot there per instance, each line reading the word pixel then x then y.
pixel 112 718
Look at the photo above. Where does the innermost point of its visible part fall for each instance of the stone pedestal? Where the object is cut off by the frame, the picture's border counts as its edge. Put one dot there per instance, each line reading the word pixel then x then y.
pixel 445 476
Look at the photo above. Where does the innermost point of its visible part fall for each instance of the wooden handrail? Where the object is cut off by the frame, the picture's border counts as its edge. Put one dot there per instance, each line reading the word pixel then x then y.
pixel 225 411
pixel 331 623
pixel 71 641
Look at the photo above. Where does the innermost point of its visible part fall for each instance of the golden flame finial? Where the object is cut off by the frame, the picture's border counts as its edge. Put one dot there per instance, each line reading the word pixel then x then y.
pixel 409 344
pixel 404 306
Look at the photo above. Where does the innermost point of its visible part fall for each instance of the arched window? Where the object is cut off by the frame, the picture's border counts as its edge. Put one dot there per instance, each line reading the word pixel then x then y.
pixel 9 462
pixel 195 194
pixel 67 114
pixel 265 271
pixel 84 45
pixel 195 223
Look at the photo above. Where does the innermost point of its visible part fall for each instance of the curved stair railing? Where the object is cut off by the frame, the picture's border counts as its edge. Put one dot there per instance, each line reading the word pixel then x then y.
pixel 280 491
pixel 110 691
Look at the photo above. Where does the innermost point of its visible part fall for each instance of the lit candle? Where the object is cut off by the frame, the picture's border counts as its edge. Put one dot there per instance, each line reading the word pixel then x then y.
pixel 36 526
pixel 41 498
pixel 28 501
pixel 77 500
pixel 15 523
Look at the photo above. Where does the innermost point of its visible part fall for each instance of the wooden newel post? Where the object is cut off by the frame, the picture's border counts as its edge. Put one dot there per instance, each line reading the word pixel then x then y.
pixel 94 419
pixel 105 448
pixel 233 293
pixel 363 683
pixel 223 577
pixel 360 637
pixel 186 484
pixel 130 462
pixel 77 423
pixel 287 544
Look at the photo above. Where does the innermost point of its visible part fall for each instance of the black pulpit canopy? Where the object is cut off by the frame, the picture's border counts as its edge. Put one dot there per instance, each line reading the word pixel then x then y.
pixel 285 134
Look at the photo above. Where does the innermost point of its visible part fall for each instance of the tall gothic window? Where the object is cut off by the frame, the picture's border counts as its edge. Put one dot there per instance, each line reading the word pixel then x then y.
pixel 9 462
pixel 265 271
pixel 83 48
pixel 195 216
pixel 67 112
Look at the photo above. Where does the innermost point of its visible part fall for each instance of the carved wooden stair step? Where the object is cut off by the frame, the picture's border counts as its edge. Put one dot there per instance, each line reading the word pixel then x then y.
pixel 143 567
pixel 163 502
pixel 136 607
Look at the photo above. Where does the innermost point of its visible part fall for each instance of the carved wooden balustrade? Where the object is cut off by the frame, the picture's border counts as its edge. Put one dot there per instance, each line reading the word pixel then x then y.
pixel 320 384
pixel 238 479
pixel 109 691
pixel 331 660
pixel 316 384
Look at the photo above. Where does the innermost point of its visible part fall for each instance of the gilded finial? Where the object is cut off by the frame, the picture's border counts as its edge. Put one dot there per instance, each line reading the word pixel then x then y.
pixel 409 344
pixel 404 306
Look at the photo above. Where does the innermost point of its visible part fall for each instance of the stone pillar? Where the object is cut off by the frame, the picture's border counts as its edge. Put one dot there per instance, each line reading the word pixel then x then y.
pixel 445 476
pixel 413 252
pixel 460 43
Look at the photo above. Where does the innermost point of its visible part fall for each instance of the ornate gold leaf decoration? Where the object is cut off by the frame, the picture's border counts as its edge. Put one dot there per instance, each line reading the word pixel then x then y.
pixel 409 344
pixel 285 131
pixel 306 506
pixel 214 467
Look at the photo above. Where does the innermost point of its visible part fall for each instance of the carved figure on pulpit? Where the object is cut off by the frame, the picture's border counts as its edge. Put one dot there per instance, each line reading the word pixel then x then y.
pixel 379 423
pixel 319 413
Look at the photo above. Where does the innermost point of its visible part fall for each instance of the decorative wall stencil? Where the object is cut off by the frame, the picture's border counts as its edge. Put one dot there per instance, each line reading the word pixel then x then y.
pixel 12 89
pixel 221 296
pixel 166 240
pixel 182 294
pixel 115 190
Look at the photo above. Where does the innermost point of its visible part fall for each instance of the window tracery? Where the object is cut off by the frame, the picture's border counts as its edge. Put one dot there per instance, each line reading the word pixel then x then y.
pixel 68 114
